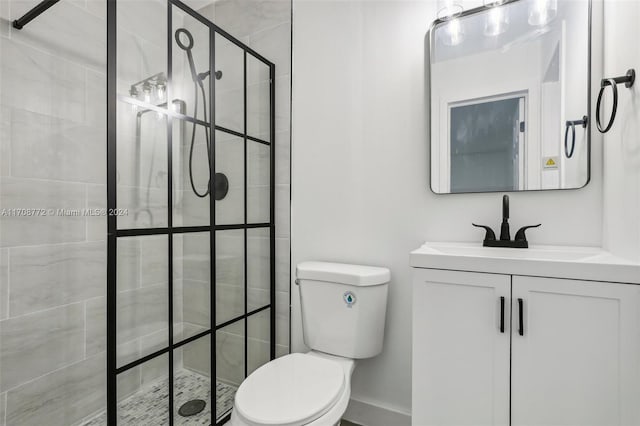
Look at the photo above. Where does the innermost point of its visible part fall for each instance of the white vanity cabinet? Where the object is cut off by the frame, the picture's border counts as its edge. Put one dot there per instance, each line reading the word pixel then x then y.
pixel 573 360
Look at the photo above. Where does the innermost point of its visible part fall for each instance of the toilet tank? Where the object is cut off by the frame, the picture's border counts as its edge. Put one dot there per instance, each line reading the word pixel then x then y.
pixel 343 307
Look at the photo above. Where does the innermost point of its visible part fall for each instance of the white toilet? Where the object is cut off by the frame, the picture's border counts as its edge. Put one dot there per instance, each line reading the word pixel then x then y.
pixel 343 316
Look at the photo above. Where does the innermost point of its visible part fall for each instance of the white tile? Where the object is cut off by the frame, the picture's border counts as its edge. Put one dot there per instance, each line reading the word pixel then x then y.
pixel 283 216
pixel 5 140
pixel 283 266
pixel 141 312
pixel 283 103
pixel 96 200
pixel 196 303
pixel 36 344
pixel 128 265
pixel 45 147
pixel 54 275
pixel 258 110
pixel 4 283
pixel 83 42
pixel 244 17
pixel 61 398
pixel 230 353
pixel 197 356
pixel 283 157
pixel 282 350
pixel 98 8
pixel 5 22
pixel 96 113
pixel 282 318
pixel 275 45
pixel 46 195
pixel 96 326
pixel 258 203
pixel 42 83
pixel 258 266
pixel 154 252
pixel 229 302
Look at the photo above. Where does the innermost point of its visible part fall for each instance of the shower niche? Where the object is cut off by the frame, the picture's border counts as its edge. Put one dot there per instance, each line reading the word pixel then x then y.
pixel 191 280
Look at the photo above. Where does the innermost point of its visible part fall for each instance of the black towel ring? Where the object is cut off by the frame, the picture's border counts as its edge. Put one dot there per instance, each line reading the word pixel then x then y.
pixel 572 125
pixel 628 81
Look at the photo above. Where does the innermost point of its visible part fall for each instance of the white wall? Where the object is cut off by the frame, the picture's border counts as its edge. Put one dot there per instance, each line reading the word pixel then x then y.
pixel 360 178
pixel 622 144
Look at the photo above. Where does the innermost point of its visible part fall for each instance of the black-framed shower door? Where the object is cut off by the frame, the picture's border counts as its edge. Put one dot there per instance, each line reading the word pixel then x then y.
pixel 115 234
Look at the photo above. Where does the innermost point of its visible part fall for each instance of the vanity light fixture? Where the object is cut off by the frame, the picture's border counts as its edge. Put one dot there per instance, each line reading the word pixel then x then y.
pixel 453 34
pixel 541 12
pixel 497 21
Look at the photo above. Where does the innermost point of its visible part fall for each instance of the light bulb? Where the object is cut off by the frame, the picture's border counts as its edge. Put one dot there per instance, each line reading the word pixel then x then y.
pixel 497 22
pixel 453 33
pixel 146 89
pixel 160 91
pixel 541 12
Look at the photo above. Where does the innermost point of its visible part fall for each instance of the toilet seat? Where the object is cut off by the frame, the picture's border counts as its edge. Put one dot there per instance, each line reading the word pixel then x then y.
pixel 293 390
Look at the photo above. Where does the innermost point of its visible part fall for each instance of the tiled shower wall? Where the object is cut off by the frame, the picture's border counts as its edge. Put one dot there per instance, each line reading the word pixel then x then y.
pixel 52 156
pixel 53 275
pixel 53 269
pixel 265 26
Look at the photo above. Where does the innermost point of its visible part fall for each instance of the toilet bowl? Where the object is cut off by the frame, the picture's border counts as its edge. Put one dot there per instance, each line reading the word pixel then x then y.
pixel 343 315
pixel 298 389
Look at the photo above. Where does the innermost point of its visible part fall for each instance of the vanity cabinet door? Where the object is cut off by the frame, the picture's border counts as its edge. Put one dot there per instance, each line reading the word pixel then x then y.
pixel 460 356
pixel 576 360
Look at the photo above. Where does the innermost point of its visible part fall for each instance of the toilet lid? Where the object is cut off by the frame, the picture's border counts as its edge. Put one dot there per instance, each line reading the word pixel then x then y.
pixel 292 390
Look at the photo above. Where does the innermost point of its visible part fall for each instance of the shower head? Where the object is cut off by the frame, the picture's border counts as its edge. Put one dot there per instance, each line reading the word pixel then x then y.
pixel 187 46
pixel 184 46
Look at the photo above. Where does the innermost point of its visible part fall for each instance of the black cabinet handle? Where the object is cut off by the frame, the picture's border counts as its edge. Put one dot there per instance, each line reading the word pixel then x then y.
pixel 520 317
pixel 501 314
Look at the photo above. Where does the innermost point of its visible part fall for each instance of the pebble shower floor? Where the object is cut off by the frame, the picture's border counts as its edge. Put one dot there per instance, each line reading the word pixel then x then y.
pixel 148 406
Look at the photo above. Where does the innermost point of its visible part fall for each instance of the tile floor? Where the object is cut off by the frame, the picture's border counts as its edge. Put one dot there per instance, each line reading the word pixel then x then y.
pixel 148 407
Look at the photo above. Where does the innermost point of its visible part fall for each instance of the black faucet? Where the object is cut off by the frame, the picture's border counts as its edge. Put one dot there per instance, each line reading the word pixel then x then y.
pixel 505 237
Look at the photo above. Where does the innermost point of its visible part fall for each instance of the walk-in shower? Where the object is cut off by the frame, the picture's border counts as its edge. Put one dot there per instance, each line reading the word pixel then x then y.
pixel 191 148
pixel 190 232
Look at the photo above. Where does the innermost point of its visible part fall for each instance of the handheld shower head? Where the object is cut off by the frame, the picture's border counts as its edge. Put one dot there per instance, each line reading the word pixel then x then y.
pixel 187 45
pixel 189 42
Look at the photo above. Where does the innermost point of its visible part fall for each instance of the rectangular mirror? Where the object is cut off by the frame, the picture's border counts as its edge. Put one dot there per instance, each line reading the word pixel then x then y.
pixel 510 96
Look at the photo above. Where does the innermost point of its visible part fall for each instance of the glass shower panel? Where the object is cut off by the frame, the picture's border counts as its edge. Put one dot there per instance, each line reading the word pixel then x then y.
pixel 191 143
pixel 258 340
pixel 191 78
pixel 230 162
pixel 141 129
pixel 192 384
pixel 142 49
pixel 258 268
pixel 192 284
pixel 230 285
pixel 229 60
pixel 230 365
pixel 258 99
pixel 142 304
pixel 143 394
pixel 258 182
pixel 141 168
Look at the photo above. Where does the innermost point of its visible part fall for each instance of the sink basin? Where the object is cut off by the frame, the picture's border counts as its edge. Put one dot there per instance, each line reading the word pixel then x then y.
pixel 551 253
pixel 586 263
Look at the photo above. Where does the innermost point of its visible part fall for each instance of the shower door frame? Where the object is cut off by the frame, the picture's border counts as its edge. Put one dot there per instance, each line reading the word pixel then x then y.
pixel 113 233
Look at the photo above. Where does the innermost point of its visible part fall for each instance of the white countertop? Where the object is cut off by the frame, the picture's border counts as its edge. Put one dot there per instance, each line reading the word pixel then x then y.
pixel 584 263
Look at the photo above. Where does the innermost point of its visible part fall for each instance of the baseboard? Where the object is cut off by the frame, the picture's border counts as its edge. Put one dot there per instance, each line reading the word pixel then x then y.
pixel 370 414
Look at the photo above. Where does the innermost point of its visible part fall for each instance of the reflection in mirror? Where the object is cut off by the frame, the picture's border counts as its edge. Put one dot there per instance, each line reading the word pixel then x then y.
pixel 509 82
